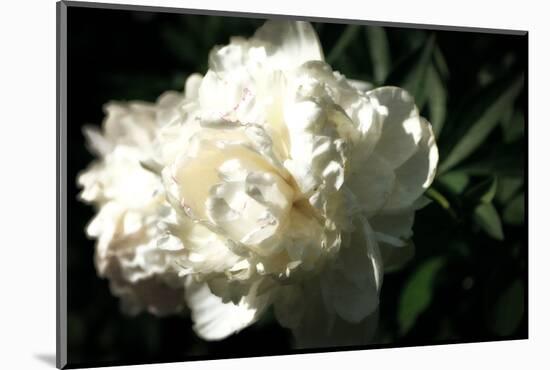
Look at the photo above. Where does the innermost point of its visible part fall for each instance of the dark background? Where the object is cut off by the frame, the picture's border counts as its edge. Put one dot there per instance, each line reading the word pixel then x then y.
pixel 467 280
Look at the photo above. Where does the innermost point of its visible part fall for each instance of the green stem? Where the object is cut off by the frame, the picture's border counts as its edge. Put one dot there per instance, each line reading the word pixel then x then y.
pixel 441 200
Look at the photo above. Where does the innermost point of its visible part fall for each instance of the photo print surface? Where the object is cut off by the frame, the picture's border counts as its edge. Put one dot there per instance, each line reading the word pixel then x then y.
pixel 248 185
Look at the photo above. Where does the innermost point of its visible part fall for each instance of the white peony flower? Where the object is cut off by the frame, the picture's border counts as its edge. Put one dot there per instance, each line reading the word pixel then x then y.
pixel 275 182
pixel 128 198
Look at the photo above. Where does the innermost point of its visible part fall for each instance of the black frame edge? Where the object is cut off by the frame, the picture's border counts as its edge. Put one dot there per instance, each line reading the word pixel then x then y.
pixel 61 187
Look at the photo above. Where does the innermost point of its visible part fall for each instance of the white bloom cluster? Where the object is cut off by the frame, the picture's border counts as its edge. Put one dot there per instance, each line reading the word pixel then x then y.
pixel 273 181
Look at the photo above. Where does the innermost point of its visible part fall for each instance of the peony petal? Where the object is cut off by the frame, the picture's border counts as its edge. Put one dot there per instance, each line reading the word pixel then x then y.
pixel 192 86
pixel 151 294
pixel 362 86
pixel 317 150
pixel 220 94
pixel 416 174
pixel 207 159
pixel 368 122
pixel 395 258
pixel 88 180
pixel 168 105
pixel 372 184
pixel 269 100
pixel 402 127
pixel 351 284
pixel 229 58
pixel 289 306
pixel 96 142
pixel 105 225
pixel 132 124
pixel 289 43
pixel 241 217
pixel 398 225
pixel 373 252
pixel 350 301
pixel 216 320
pixel 252 209
pixel 202 250
pixel 313 325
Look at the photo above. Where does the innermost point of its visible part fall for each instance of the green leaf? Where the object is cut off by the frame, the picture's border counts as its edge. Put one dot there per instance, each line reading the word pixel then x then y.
pixel 440 63
pixel 437 100
pixel 506 118
pixel 513 128
pixel 484 192
pixel 418 293
pixel 509 309
pixel 456 182
pixel 507 188
pixel 345 39
pixel 411 73
pixel 379 51
pixel 514 213
pixel 486 216
pixel 483 125
pixel 504 165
